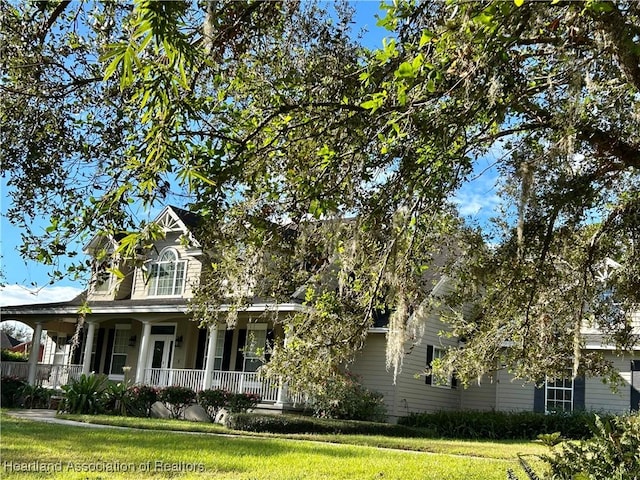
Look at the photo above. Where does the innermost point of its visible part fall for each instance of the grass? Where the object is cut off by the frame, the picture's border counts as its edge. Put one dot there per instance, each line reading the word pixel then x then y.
pixel 76 451
pixel 507 449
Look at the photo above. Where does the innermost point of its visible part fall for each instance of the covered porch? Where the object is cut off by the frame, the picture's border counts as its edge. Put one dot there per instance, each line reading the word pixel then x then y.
pixel 154 343
pixel 55 376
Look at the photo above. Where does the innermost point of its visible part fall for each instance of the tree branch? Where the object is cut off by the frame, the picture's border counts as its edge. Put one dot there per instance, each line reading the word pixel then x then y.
pixel 52 18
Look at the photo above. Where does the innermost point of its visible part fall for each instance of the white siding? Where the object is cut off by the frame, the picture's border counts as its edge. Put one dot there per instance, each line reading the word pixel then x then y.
pixel 598 395
pixel 479 397
pixel 411 393
pixel 513 395
pixel 139 289
pixel 370 365
pixel 414 395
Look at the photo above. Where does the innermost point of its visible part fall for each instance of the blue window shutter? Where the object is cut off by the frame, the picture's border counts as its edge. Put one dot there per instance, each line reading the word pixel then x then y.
pixel 242 342
pixel 200 348
pixel 270 340
pixel 226 353
pixel 107 359
pixel 428 378
pixel 538 399
pixel 99 344
pixel 635 384
pixel 578 393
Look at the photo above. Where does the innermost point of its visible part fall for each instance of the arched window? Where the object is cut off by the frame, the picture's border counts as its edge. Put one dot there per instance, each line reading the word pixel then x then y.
pixel 166 276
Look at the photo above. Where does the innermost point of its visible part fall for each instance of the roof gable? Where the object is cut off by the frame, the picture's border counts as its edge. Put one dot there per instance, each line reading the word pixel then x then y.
pixel 170 219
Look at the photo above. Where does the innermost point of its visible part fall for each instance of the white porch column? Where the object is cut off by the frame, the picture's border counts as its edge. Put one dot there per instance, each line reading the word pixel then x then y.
pixel 144 348
pixel 33 355
pixel 283 390
pixel 211 354
pixel 88 346
pixel 283 394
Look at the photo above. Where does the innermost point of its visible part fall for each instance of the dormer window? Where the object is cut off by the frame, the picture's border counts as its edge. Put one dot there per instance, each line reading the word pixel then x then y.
pixel 167 275
pixel 102 278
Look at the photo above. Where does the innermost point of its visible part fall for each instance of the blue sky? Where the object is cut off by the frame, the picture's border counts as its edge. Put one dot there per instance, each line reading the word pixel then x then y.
pixel 27 282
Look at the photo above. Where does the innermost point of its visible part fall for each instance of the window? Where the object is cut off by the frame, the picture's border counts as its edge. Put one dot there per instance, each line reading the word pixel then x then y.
pixel 559 394
pixel 102 277
pixel 60 349
pixel 120 348
pixel 435 354
pixel 254 348
pixel 440 380
pixel 166 276
pixel 103 283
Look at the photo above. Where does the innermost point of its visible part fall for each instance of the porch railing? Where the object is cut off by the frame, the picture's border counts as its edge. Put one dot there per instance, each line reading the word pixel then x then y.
pixel 47 375
pixel 236 382
pixel 181 377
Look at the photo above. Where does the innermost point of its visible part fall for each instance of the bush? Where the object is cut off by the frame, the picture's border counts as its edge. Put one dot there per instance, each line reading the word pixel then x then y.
pixel 213 400
pixel 9 356
pixel 85 395
pixel 116 401
pixel 343 397
pixel 11 388
pixel 34 396
pixel 176 399
pixel 611 452
pixel 501 425
pixel 139 399
pixel 293 424
pixel 241 402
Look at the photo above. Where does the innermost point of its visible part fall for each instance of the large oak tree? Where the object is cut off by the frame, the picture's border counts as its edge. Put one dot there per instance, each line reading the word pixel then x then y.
pixel 276 126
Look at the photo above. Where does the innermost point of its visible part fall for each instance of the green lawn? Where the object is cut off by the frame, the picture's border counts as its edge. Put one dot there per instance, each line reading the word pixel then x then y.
pixel 57 451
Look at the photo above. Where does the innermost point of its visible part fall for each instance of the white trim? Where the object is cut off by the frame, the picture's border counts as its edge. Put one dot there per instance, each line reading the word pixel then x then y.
pixel 182 308
pixel 378 330
pixel 557 389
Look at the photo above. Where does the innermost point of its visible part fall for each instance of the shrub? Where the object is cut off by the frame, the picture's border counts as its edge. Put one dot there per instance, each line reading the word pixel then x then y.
pixel 116 400
pixel 611 452
pixel 86 394
pixel 213 400
pixel 176 399
pixel 501 425
pixel 11 388
pixel 343 397
pixel 292 424
pixel 139 399
pixel 241 402
pixel 9 356
pixel 35 396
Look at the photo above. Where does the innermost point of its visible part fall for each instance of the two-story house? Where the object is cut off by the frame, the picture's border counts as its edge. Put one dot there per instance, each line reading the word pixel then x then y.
pixel 143 331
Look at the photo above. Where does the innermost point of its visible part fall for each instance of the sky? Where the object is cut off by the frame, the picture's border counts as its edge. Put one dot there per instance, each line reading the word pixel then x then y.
pixel 28 282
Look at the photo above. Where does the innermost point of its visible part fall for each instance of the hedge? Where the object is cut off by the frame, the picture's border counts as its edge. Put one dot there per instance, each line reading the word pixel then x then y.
pixel 502 425
pixel 297 424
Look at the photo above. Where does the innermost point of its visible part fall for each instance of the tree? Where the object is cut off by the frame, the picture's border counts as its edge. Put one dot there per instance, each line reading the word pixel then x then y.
pixel 553 88
pixel 277 126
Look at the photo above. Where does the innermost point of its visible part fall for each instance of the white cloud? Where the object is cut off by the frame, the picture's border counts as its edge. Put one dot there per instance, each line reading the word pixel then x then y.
pixel 470 204
pixel 11 295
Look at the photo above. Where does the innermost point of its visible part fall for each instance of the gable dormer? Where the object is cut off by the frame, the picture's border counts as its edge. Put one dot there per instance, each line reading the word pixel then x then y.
pixel 172 266
pixel 104 283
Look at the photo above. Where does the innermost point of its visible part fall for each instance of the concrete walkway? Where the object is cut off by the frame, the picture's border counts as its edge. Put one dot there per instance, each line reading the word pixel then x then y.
pixel 49 416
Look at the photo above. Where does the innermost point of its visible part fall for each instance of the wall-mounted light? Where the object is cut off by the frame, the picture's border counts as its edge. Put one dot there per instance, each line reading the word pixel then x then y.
pixel 132 341
pixel 179 341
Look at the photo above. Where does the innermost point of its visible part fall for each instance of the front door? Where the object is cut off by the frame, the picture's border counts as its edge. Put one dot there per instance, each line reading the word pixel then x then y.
pixel 160 358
